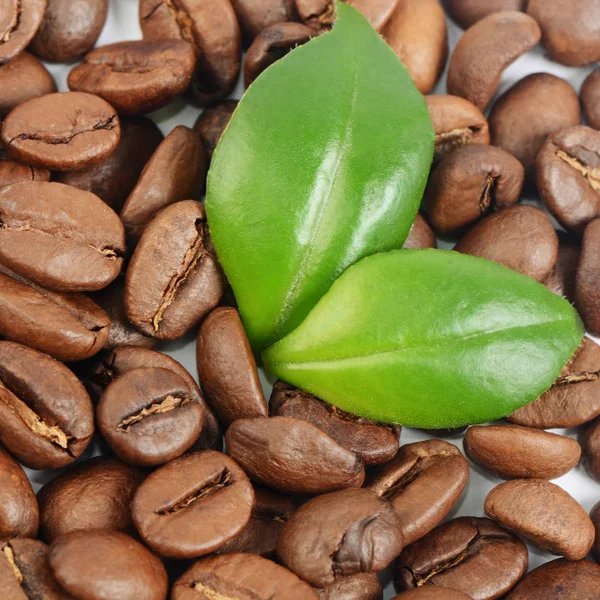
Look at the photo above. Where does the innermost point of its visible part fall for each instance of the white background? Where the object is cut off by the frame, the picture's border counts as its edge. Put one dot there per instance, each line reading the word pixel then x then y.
pixel 122 24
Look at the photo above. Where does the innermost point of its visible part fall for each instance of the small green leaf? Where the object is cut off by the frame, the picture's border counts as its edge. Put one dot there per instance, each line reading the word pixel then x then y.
pixel 431 339
pixel 323 163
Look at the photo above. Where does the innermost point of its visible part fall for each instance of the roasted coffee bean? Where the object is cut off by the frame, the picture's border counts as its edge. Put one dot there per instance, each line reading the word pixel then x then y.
pixel 292 456
pixel 12 171
pixel 240 577
pixel 468 12
pixel 21 79
pixel 148 416
pixel 46 417
pixel 467 554
pixel 270 514
pixel 136 77
pixel 173 279
pixel 561 280
pixel 111 365
pixel 374 442
pixel 340 534
pixel 193 505
pixel 485 50
pixel 320 14
pixel 271 44
pixel 227 369
pixel 255 16
pixel 595 516
pixel 590 444
pixel 570 37
pixel 176 171
pixel 363 586
pixel 114 178
pixel 19 515
pixel 469 184
pixel 423 483
pixel 456 122
pixel 446 432
pixel 19 20
pixel 432 593
pixel 543 513
pixel 25 573
pixel 212 29
pixel 99 564
pixel 590 98
pixel 65 325
pixel 69 29
pixel 420 235
pixel 568 176
pixel 65 131
pixel 417 33
pixel 587 281
pixel 561 580
pixel 60 237
pixel 574 398
pixel 94 494
pixel 512 451
pixel 212 122
pixel 534 108
pixel 520 237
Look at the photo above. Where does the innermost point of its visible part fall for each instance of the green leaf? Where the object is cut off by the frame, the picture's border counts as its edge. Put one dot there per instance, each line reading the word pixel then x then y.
pixel 323 163
pixel 430 338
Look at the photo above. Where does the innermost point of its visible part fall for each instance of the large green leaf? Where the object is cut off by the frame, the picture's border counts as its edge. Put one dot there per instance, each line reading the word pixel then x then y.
pixel 324 162
pixel 429 338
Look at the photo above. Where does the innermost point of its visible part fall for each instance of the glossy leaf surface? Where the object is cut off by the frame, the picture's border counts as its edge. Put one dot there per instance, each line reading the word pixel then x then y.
pixel 323 163
pixel 430 338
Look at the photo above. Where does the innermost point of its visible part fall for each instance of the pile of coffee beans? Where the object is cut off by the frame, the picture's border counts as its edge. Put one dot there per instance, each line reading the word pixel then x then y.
pixel 211 492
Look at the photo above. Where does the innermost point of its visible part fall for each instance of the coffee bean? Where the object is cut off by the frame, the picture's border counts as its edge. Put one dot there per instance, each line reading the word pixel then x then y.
pixel 176 171
pixel 240 576
pixel 60 237
pixel 467 554
pixel 340 534
pixel 570 37
pixel 21 79
pixel 595 516
pixel 292 456
pixel 432 593
pixel 363 586
pixel 588 278
pixel 227 369
pixel 255 16
pixel 374 442
pixel 511 451
pixel 114 178
pixel 520 237
pixel 423 483
pixel 173 279
pixel 561 280
pixel 568 176
pixel 456 122
pixel 485 50
pixel 320 14
pixel 25 573
pixel 271 44
pixel 12 171
pixel 590 444
pixel 417 33
pixel 212 122
pixel 590 98
pixel 46 417
pixel 148 416
pixel 212 29
pixel 94 494
pixel 420 235
pixel 573 399
pixel 136 77
pixel 19 515
pixel 469 184
pixel 98 564
pixel 111 365
pixel 446 432
pixel 19 21
pixel 69 29
pixel 544 514
pixel 560 579
pixel 65 131
pixel 193 505
pixel 535 107
pixel 467 12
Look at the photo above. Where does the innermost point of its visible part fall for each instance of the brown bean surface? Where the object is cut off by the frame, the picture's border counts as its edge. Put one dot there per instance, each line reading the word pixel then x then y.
pixel 320 14
pixel 595 516
pixel 212 122
pixel 561 280
pixel 432 593
pixel 590 444
pixel 468 12
pixel 590 98
pixel 12 171
pixel 255 16
pixel 363 586
pixel 19 20
pixel 420 235
pixel 587 299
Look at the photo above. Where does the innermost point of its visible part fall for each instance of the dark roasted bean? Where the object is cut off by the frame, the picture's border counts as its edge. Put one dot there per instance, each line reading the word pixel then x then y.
pixel 363 586
pixel 320 14
pixel 595 516
pixel 590 98
pixel 255 16
pixel 19 20
pixel 12 171
pixel 561 280
pixel 420 235
pixel 211 124
pixel 590 444
pixel 587 299
pixel 468 12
